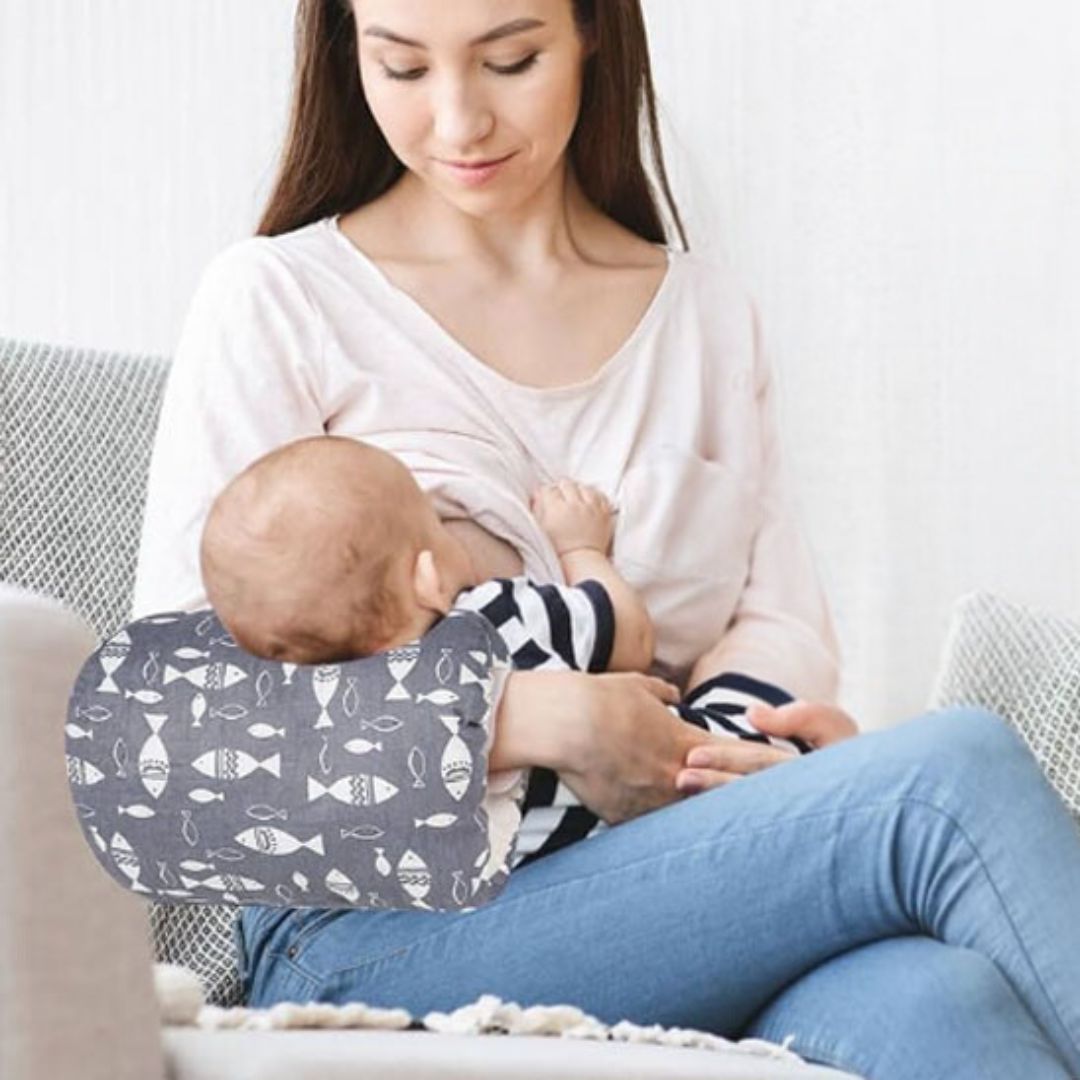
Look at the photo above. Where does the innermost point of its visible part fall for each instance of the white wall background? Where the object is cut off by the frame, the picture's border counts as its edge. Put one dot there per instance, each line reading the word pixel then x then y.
pixel 898 184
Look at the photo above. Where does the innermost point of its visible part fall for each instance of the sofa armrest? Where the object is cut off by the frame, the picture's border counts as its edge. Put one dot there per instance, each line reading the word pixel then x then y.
pixel 76 988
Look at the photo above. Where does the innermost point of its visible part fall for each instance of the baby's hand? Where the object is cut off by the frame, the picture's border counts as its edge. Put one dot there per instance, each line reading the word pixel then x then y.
pixel 574 516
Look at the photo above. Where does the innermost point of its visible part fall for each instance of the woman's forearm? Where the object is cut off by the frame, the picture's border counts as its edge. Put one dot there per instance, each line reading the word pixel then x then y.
pixel 534 724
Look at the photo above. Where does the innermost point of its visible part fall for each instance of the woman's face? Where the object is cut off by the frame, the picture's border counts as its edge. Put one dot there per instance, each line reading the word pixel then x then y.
pixel 478 98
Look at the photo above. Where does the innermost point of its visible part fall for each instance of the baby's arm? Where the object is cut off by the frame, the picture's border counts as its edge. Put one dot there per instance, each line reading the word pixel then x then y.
pixel 578 519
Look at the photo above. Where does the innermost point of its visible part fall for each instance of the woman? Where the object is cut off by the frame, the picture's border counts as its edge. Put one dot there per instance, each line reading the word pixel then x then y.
pixel 464 261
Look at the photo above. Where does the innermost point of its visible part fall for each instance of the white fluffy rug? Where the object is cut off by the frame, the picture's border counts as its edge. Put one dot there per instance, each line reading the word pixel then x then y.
pixel 180 997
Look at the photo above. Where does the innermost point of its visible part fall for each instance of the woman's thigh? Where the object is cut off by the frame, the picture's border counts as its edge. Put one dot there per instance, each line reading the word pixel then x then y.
pixel 908 1008
pixel 701 913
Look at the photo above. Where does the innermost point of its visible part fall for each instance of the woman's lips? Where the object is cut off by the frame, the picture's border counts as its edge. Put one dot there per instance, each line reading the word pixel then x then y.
pixel 472 174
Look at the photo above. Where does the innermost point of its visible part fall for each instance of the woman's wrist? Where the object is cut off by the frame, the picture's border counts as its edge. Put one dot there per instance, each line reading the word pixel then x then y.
pixel 542 718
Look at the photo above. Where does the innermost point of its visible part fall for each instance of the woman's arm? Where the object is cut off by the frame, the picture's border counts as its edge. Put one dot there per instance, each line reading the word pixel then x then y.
pixel 780 644
pixel 611 738
pixel 245 379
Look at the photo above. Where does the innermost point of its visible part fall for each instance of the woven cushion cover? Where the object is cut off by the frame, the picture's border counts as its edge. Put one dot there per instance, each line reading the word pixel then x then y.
pixel 1025 666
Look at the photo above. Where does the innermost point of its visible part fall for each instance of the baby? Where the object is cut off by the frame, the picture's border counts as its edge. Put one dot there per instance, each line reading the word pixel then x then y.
pixel 326 549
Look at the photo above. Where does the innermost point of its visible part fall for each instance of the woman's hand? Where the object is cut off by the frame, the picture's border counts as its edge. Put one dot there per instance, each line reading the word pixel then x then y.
pixel 718 763
pixel 628 747
pixel 611 738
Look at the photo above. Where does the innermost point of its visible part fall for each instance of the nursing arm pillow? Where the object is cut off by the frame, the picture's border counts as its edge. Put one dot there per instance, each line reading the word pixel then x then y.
pixel 204 774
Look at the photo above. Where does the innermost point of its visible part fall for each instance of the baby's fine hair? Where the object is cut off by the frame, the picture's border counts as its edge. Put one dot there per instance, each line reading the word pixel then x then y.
pixel 301 550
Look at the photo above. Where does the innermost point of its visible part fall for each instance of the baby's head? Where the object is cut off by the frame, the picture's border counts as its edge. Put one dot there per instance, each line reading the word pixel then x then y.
pixel 325 550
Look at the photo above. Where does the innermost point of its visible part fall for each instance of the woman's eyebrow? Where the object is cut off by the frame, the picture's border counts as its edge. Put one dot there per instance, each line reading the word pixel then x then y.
pixel 517 26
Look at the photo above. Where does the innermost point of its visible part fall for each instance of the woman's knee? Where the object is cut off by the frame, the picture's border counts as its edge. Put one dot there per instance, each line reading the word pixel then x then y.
pixel 970 746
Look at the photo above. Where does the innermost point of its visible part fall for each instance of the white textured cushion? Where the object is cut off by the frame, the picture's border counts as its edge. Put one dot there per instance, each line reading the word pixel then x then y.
pixel 1025 666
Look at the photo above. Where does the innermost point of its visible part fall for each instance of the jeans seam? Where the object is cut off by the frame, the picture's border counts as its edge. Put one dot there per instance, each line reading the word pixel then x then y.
pixel 1004 910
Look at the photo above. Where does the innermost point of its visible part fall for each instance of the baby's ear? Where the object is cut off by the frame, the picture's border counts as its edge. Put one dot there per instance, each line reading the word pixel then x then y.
pixel 427 583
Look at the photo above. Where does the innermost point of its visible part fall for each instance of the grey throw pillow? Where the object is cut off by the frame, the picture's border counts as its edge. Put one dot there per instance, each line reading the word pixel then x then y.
pixel 1025 666
pixel 203 774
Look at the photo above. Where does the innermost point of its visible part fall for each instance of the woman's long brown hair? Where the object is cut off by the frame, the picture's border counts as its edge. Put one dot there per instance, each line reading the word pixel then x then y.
pixel 336 159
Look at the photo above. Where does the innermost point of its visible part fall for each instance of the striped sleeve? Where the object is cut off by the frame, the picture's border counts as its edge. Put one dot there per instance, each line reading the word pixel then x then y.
pixel 719 705
pixel 548 626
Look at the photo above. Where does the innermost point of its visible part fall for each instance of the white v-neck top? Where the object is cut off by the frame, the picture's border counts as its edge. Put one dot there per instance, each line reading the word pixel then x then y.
pixel 301 333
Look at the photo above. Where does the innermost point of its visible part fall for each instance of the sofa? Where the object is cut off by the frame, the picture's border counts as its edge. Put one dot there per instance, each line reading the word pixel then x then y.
pixel 77 990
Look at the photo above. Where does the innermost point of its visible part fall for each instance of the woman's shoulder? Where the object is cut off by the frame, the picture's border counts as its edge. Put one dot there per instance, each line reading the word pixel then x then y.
pixel 710 279
pixel 269 258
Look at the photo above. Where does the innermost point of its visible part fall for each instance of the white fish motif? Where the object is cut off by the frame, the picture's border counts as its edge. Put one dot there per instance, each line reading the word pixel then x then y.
pixel 188 653
pixel 228 854
pixel 127 862
pixel 264 686
pixel 159 620
pixel 203 795
pixel 73 731
pixel 227 763
pixel 417 766
pixel 459 890
pixel 144 697
pixel 262 812
pixel 439 697
pixel 216 676
pixel 83 773
pixel 175 892
pixel 457 763
pixel 229 712
pixel 165 875
pixel 151 667
pixel 444 669
pixel 362 832
pixel 96 714
pixel 284 893
pixel 324 682
pixel 206 624
pixel 198 709
pixel 300 881
pixel 225 882
pixel 350 700
pixel 265 731
pixel 196 867
pixel 360 789
pixel 188 829
pixel 288 669
pixel 154 758
pixel 400 662
pixel 338 883
pixel 436 821
pixel 384 725
pixel 413 875
pixel 113 653
pixel 137 810
pixel 374 900
pixel 99 840
pixel 362 746
pixel 382 863
pixel 268 840
pixel 324 757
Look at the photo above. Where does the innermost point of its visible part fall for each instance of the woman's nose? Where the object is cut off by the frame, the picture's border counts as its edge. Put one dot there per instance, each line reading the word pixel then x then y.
pixel 462 117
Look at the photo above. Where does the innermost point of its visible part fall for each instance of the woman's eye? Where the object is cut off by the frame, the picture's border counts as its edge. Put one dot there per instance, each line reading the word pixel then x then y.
pixel 409 75
pixel 515 69
pixel 412 74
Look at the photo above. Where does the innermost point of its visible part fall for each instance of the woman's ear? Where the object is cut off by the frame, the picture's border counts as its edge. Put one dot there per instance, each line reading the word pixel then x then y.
pixel 428 583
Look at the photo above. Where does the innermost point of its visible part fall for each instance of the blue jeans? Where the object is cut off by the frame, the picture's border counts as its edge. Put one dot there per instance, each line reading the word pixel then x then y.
pixel 906 904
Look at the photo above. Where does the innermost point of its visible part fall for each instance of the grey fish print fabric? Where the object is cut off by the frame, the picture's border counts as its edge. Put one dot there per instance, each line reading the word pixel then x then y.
pixel 204 774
